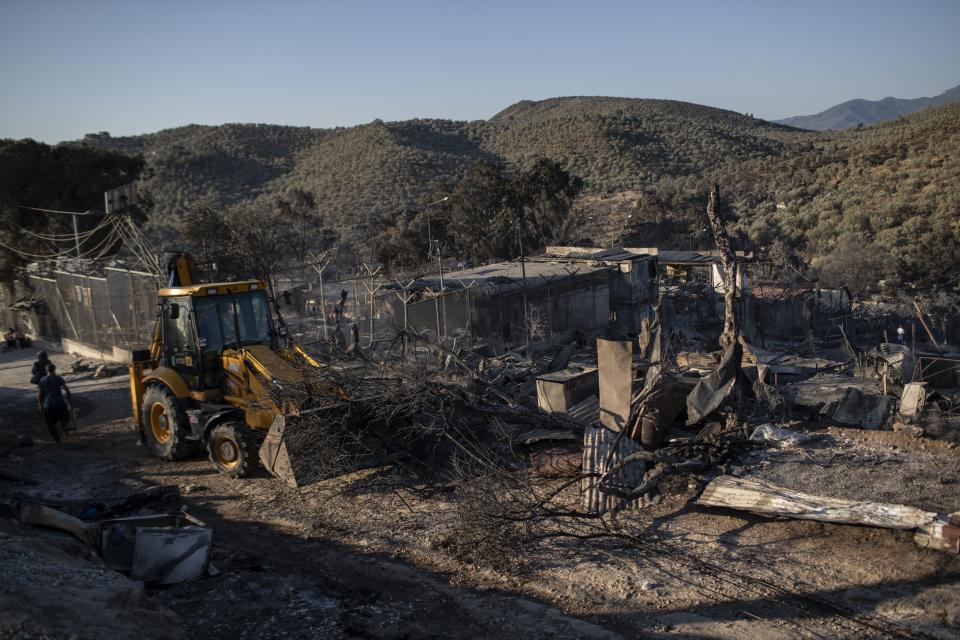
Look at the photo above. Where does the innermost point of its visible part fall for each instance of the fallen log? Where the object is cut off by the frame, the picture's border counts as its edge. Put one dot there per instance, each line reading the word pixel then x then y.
pixel 37 514
pixel 933 530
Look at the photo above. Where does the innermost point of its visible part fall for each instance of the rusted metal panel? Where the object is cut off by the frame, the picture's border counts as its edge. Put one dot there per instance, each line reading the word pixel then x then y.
pixel 602 450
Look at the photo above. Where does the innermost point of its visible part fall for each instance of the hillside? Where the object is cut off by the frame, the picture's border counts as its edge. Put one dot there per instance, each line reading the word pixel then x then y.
pixel 369 170
pixel 860 112
pixel 619 143
pixel 861 204
pixel 885 194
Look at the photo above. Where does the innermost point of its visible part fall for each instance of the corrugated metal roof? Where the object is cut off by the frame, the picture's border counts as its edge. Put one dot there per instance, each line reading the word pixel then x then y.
pixel 611 254
pixel 510 274
pixel 687 257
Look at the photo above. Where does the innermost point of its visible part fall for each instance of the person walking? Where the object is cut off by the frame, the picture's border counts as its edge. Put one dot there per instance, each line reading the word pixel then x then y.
pixel 54 407
pixel 901 335
pixel 39 368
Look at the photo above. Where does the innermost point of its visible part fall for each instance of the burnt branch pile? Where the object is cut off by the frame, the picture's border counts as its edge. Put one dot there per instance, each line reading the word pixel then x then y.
pixel 435 429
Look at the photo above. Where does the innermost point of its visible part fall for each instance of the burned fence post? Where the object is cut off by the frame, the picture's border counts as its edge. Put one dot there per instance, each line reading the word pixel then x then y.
pixel 469 315
pixel 320 264
pixel 372 290
pixel 405 298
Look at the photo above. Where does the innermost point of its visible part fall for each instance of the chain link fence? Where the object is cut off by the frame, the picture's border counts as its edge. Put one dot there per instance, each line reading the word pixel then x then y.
pixel 109 314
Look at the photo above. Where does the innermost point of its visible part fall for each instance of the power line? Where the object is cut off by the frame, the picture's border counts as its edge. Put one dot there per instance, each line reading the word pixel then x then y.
pixel 72 213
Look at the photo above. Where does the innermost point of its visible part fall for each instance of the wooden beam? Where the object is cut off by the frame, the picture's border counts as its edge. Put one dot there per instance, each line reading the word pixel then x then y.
pixel 932 530
pixel 925 327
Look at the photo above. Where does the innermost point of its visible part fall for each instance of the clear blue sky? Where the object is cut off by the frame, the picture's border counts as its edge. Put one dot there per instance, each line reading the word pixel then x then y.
pixel 71 67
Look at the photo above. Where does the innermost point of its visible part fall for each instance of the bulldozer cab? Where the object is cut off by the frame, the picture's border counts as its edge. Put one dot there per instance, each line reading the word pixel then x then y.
pixel 200 322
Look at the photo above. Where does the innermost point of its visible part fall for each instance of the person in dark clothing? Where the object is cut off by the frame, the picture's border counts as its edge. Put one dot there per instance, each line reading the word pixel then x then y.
pixel 53 405
pixel 10 338
pixel 39 368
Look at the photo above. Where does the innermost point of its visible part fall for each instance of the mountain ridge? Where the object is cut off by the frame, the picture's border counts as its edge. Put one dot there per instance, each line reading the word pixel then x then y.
pixel 859 111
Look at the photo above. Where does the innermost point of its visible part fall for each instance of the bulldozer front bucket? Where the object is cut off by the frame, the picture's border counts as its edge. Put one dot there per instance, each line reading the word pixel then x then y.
pixel 274 454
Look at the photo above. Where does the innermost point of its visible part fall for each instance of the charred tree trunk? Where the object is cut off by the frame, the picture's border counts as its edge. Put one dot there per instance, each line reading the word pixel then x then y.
pixel 728 261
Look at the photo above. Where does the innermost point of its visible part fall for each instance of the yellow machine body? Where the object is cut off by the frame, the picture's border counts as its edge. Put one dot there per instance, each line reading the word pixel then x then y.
pixel 215 353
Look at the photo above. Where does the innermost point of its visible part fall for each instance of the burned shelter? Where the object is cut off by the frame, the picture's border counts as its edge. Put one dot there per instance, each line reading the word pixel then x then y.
pixel 562 292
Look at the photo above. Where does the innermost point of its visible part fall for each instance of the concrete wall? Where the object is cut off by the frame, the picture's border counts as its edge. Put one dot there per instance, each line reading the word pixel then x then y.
pixel 109 354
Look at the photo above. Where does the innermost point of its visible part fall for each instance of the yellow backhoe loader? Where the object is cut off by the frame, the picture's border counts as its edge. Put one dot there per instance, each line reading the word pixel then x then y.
pixel 209 377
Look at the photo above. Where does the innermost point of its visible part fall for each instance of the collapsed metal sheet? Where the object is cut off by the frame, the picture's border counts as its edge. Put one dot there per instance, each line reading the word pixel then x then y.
pixel 901 359
pixel 713 390
pixel 859 409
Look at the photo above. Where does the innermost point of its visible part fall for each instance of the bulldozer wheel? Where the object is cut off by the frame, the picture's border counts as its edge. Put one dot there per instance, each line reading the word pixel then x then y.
pixel 165 424
pixel 233 449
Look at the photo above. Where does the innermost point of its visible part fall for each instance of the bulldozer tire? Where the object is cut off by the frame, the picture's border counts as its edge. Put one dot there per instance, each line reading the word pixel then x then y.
pixel 233 449
pixel 165 424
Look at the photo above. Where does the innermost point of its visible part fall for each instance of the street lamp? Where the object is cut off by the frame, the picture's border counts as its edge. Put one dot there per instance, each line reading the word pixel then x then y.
pixel 426 208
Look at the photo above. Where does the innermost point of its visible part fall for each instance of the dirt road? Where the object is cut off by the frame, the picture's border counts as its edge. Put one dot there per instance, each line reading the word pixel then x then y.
pixel 326 563
pixel 278 580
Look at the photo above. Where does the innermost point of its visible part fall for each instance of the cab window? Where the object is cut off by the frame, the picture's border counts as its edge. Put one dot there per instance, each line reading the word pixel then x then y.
pixel 179 337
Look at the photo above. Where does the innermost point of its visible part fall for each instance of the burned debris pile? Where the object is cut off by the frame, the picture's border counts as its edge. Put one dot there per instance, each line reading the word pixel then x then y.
pixel 558 431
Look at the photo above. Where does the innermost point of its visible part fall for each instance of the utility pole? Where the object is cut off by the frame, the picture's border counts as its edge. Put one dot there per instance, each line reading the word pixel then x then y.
pixel 426 209
pixel 523 271
pixel 76 234
pixel 443 299
pixel 436 309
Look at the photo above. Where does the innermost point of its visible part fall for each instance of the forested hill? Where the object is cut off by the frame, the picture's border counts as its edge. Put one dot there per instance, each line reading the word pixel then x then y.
pixel 885 196
pixel 614 144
